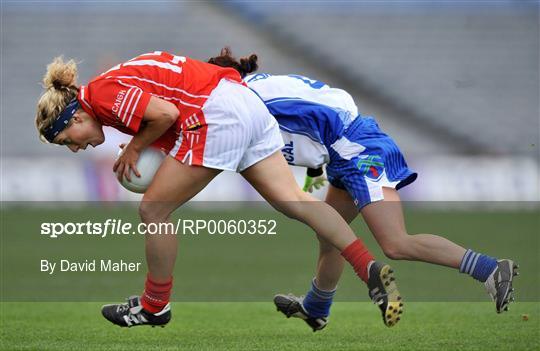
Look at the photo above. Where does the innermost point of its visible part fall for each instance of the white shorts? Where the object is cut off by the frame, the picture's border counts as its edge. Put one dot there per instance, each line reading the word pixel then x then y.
pixel 234 131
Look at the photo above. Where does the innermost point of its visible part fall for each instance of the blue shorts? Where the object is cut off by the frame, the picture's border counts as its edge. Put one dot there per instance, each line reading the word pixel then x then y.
pixel 365 160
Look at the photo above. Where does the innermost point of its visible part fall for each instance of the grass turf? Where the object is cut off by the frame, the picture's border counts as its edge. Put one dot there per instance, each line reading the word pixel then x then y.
pixel 250 267
pixel 257 326
pixel 253 268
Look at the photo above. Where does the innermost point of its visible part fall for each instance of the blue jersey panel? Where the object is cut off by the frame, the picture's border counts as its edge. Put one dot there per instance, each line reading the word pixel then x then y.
pixel 380 164
pixel 320 123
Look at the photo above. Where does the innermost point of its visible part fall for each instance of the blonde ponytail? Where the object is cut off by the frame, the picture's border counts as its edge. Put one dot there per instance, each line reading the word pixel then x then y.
pixel 60 83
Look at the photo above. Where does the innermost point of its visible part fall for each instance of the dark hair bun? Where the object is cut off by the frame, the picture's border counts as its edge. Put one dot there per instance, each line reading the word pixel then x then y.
pixel 249 64
pixel 245 66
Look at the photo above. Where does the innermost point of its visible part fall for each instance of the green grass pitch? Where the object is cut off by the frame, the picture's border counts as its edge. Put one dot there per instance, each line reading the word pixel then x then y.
pixel 224 287
pixel 257 326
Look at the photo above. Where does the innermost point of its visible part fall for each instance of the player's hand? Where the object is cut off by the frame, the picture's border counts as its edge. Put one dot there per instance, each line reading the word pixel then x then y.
pixel 314 183
pixel 126 162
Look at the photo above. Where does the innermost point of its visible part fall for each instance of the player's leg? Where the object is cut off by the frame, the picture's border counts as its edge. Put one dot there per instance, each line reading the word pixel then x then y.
pixel 274 181
pixel 272 178
pixel 386 222
pixel 330 263
pixel 174 184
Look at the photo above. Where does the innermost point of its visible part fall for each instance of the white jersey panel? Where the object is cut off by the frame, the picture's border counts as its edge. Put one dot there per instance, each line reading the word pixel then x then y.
pixel 301 150
pixel 273 87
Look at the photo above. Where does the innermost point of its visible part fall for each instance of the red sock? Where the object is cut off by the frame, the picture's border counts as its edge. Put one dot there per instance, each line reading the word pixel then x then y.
pixel 359 257
pixel 156 295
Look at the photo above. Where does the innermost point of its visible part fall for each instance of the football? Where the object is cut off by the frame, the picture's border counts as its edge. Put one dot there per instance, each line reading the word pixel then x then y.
pixel 147 165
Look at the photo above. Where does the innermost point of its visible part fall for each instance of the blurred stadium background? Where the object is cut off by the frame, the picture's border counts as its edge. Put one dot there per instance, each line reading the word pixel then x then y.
pixel 455 83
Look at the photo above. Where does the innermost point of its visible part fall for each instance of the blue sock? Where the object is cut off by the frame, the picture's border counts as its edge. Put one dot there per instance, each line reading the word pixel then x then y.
pixel 317 302
pixel 477 265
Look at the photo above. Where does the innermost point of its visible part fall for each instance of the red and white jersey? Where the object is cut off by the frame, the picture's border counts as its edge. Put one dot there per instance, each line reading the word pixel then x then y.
pixel 119 96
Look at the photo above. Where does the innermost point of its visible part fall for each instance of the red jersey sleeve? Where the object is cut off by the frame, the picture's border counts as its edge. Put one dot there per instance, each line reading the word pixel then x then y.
pixel 116 103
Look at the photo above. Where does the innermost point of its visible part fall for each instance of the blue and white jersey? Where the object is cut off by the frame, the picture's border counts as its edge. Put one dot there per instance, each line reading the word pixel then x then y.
pixel 312 116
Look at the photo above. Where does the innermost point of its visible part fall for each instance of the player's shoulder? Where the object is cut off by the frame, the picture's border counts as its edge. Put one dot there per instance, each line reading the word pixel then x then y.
pixel 266 77
pixel 255 77
pixel 291 80
pixel 102 84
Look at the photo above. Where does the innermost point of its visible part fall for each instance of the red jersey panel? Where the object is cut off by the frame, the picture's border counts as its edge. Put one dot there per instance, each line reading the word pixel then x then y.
pixel 119 96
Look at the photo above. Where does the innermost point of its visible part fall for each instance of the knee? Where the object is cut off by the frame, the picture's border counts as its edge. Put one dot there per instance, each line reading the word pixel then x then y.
pixel 290 209
pixel 395 249
pixel 145 212
pixel 152 212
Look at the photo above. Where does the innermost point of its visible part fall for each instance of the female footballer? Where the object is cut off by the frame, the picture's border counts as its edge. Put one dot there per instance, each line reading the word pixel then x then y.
pixel 208 121
pixel 321 125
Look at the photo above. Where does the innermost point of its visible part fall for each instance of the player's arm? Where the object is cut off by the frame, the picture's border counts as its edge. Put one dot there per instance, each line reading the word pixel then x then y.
pixel 314 179
pixel 158 117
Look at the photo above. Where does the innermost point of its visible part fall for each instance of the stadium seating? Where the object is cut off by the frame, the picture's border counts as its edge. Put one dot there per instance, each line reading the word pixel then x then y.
pixel 468 68
pixel 447 80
